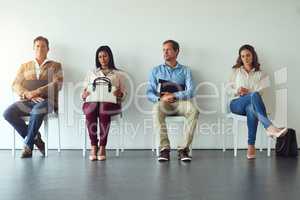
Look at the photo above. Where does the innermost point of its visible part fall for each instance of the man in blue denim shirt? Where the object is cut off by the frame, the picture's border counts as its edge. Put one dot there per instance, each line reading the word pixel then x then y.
pixel 170 88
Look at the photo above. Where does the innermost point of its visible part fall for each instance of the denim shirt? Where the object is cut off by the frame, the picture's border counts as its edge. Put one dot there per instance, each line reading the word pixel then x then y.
pixel 179 74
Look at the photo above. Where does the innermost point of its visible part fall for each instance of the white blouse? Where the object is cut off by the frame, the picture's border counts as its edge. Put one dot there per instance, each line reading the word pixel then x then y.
pixel 254 81
pixel 116 77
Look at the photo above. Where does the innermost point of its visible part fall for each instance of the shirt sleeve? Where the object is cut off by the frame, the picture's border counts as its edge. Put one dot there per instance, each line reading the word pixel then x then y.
pixel 122 85
pixel 17 83
pixel 188 93
pixel 152 94
pixel 264 82
pixel 231 88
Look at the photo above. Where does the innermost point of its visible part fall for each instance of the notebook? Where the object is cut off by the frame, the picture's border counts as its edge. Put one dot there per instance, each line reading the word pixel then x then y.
pixel 34 84
pixel 168 86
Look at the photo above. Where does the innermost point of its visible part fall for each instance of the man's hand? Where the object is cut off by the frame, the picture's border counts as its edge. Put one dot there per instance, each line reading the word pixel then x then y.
pixel 37 99
pixel 243 91
pixel 167 97
pixel 31 94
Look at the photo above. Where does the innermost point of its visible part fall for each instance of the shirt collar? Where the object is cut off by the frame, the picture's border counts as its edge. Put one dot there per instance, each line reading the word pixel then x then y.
pixel 177 66
pixel 37 65
pixel 98 70
pixel 252 70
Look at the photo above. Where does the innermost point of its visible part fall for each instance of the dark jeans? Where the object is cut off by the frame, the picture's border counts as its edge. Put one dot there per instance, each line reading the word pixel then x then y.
pixel 103 111
pixel 37 111
pixel 252 106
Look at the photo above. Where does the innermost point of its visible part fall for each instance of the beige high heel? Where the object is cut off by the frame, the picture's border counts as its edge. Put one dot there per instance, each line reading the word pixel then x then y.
pixel 251 156
pixel 93 154
pixel 276 134
pixel 102 154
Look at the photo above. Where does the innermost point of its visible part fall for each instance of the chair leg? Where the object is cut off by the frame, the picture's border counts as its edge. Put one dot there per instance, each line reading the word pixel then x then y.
pixel 269 147
pixel 46 136
pixel 84 142
pixel 157 144
pixel 153 142
pixel 13 148
pixel 59 142
pixel 235 136
pixel 223 141
pixel 261 137
pixel 119 139
pixel 117 152
pixel 122 136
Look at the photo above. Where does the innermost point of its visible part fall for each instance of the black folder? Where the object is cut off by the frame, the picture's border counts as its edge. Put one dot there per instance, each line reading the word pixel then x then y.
pixel 171 87
pixel 34 84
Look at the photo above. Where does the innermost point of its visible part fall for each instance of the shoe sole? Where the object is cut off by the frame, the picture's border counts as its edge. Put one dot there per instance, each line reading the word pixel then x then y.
pixel 186 159
pixel 251 157
pixel 163 159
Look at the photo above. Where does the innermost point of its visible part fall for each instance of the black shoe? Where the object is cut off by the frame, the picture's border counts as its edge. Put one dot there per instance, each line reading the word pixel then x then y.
pixel 183 155
pixel 40 144
pixel 164 155
pixel 26 153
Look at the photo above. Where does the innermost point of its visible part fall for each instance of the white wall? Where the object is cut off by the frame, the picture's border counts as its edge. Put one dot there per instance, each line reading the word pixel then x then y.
pixel 209 32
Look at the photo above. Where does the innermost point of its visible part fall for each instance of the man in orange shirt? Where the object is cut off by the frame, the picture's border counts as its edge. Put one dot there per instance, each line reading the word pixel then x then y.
pixel 37 83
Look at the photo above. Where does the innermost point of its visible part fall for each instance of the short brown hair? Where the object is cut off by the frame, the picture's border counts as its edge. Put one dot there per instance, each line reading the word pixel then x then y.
pixel 41 38
pixel 174 44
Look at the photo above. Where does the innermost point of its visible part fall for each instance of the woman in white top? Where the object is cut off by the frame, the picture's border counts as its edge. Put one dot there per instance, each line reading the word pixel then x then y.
pixel 105 67
pixel 247 82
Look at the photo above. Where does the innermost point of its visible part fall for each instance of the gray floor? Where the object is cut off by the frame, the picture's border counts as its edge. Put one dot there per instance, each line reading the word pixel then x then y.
pixel 137 175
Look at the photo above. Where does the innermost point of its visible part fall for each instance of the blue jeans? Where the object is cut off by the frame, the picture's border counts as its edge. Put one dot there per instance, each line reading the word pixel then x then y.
pixel 252 106
pixel 37 111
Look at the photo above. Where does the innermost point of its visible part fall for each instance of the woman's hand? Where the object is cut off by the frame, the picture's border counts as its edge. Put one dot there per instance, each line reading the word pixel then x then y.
pixel 243 91
pixel 118 93
pixel 85 94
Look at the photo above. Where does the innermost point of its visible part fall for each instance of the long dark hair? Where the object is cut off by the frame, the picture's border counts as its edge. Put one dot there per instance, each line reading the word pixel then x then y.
pixel 111 63
pixel 255 63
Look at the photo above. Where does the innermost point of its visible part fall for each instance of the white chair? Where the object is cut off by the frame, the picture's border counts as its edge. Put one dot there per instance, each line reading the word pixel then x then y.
pixel 236 119
pixel 48 117
pixel 115 118
pixel 156 136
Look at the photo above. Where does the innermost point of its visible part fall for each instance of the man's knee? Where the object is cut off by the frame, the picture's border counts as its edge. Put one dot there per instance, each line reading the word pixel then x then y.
pixel 41 109
pixel 192 110
pixel 161 107
pixel 255 95
pixel 8 114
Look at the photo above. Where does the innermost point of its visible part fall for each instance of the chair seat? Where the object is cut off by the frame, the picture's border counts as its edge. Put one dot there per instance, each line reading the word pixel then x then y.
pixel 49 115
pixel 116 117
pixel 52 115
pixel 175 118
pixel 237 117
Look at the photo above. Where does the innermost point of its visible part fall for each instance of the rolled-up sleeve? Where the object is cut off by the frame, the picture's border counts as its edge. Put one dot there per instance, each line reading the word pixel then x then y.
pixel 152 94
pixel 17 83
pixel 188 93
